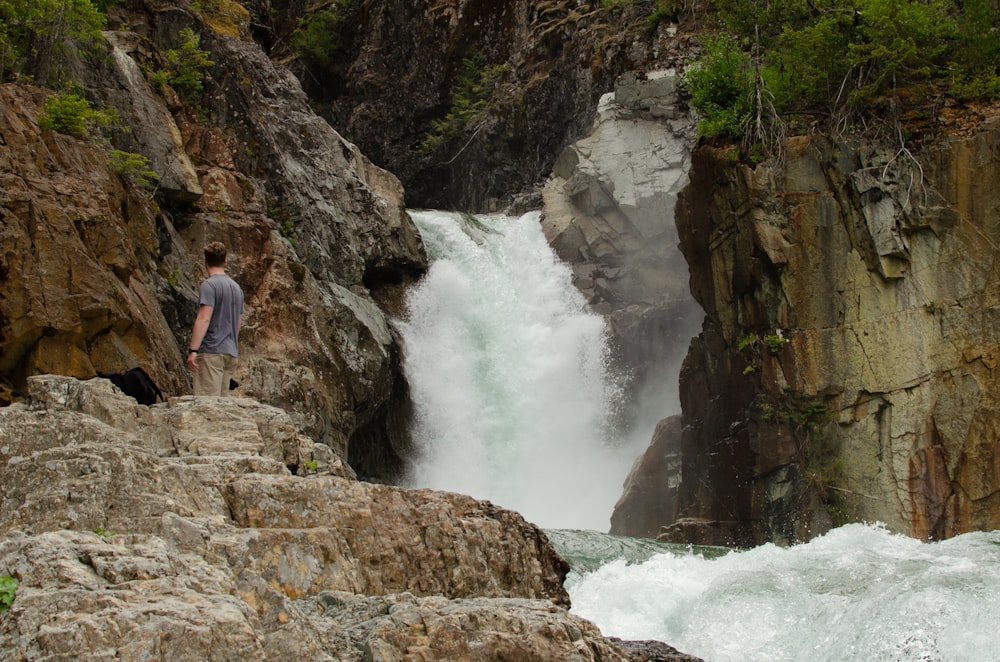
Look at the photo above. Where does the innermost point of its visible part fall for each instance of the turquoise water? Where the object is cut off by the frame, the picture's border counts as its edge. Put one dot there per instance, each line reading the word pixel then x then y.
pixel 859 593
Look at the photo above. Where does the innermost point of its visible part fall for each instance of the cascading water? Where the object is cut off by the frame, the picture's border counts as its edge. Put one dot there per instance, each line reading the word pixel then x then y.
pixel 858 593
pixel 508 373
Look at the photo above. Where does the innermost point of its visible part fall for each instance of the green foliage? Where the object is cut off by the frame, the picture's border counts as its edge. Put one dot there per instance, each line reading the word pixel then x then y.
pixel 753 341
pixel 311 465
pixel 977 70
pixel 69 113
pixel 8 588
pixel 471 94
pixel 759 22
pixel 898 43
pixel 749 340
pixel 323 37
pixel 721 87
pixel 134 167
pixel 805 415
pixel 775 341
pixel 38 38
pixel 807 66
pixel 65 113
pixel 185 66
pixel 778 60
pixel 104 533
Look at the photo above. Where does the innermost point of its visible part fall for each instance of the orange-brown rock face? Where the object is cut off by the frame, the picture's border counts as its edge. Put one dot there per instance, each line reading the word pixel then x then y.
pixel 847 370
pixel 77 254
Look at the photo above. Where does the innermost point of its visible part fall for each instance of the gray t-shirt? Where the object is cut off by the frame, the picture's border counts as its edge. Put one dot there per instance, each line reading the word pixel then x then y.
pixel 226 299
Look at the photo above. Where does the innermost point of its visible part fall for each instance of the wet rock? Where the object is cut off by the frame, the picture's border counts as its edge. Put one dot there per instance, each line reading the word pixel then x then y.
pixel 609 211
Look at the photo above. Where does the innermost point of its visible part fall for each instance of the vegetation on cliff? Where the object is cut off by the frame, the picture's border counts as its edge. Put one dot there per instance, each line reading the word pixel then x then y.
pixel 39 38
pixel 43 42
pixel 840 65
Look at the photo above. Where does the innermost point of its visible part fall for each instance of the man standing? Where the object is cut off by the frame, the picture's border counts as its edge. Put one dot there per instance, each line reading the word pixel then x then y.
pixel 214 349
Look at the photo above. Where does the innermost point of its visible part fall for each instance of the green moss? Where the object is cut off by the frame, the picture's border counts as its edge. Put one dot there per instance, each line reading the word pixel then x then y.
pixel 8 590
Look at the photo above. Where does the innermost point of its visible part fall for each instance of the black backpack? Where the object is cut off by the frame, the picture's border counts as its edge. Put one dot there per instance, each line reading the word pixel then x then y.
pixel 136 383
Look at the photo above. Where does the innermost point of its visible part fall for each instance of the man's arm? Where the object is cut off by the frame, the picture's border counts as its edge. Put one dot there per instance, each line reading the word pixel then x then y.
pixel 198 334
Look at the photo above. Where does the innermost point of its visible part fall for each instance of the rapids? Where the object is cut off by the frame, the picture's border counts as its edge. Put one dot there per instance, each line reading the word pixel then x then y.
pixel 858 593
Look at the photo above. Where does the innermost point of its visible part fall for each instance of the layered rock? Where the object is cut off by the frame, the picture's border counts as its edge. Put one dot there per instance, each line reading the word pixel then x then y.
pixel 846 370
pixel 100 276
pixel 178 531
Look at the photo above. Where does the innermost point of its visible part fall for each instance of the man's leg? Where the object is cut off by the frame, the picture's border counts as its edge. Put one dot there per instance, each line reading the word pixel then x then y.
pixel 207 379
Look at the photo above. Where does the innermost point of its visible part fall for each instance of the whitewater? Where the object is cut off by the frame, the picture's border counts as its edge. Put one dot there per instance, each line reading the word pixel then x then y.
pixel 513 402
pixel 859 593
pixel 508 374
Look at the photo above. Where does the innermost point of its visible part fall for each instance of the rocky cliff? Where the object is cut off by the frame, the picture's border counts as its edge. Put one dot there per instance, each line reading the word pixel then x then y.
pixel 177 531
pixel 232 529
pixel 468 102
pixel 100 275
pixel 846 370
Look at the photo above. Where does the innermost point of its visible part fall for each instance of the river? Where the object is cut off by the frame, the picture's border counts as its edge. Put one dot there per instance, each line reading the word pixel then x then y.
pixel 859 593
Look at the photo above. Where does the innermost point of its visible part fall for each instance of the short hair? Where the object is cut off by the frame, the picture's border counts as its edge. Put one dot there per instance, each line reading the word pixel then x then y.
pixel 215 254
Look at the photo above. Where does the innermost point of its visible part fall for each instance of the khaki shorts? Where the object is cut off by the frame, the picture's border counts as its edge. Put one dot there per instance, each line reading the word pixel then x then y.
pixel 213 374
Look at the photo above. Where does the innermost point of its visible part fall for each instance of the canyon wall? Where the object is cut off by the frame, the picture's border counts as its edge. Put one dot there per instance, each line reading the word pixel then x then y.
pixel 609 212
pixel 101 274
pixel 469 102
pixel 846 370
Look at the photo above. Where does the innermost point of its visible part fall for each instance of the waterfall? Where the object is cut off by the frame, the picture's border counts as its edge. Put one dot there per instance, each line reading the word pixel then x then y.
pixel 509 378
